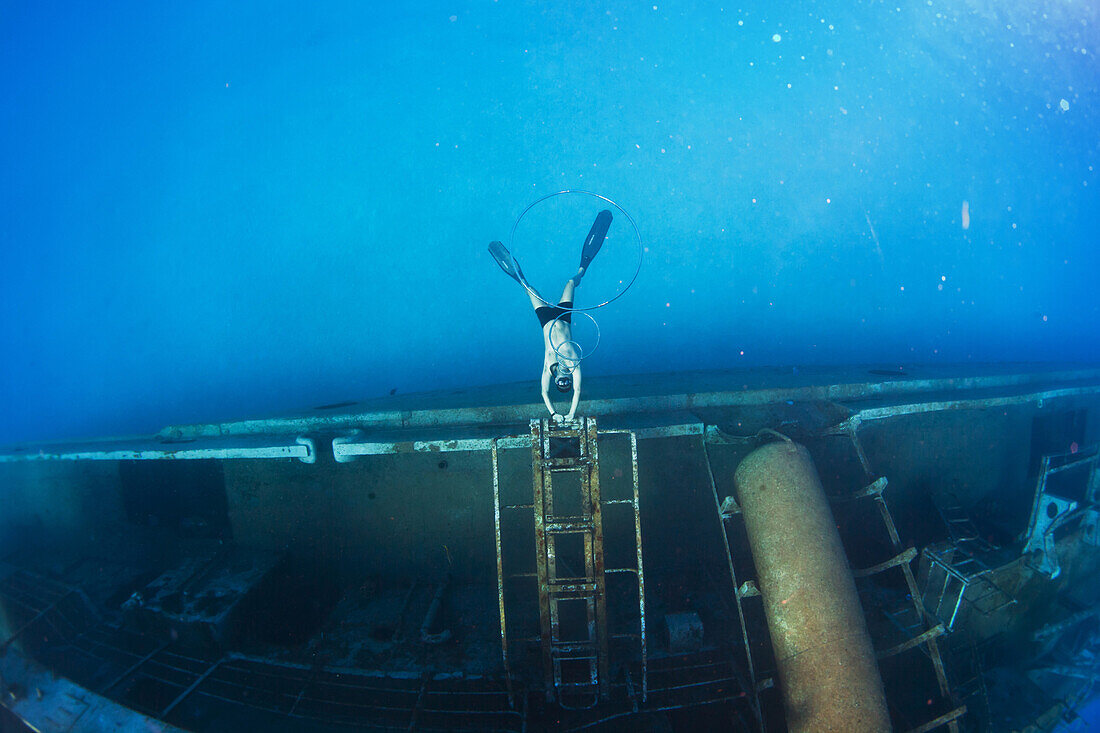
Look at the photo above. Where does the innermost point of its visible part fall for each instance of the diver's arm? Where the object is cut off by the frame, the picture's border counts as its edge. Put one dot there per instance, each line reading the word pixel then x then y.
pixel 576 393
pixel 546 389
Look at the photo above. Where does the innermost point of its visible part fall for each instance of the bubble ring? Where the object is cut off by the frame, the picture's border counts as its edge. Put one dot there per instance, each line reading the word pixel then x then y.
pixel 634 226
pixel 581 355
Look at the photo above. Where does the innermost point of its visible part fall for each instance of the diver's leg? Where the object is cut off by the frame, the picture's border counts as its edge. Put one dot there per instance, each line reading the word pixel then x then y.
pixel 570 286
pixel 537 301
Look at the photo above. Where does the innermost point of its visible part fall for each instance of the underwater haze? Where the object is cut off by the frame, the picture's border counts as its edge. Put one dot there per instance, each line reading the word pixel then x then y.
pixel 222 210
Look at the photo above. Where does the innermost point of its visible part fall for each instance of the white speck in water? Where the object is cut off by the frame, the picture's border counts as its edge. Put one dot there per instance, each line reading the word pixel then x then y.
pixel 1064 105
pixel 777 38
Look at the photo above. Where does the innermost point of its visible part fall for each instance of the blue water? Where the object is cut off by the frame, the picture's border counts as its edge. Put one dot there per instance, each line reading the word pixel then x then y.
pixel 215 210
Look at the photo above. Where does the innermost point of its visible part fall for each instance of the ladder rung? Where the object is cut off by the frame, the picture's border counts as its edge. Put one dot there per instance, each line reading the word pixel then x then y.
pixel 569 651
pixel 566 464
pixel 524 575
pixel 609 502
pixel 570 582
pixel 621 570
pixel 582 525
pixel 518 506
pixel 583 588
pixel 578 685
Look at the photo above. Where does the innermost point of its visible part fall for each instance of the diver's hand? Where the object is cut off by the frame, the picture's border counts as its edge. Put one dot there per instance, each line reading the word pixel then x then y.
pixel 559 419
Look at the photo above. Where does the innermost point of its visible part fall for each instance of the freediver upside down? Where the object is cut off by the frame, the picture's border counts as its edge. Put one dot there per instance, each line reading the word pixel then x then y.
pixel 561 360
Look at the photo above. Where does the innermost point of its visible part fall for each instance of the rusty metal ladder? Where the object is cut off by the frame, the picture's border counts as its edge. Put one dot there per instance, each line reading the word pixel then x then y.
pixel 916 613
pixel 569 561
pixel 574 654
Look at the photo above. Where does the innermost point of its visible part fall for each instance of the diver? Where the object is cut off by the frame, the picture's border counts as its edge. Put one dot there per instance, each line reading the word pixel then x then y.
pixel 563 363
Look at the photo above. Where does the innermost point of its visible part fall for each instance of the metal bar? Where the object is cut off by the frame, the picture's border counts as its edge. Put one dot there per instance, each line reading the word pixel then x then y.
pixel 852 427
pixel 302 449
pixel 663 708
pixel 899 559
pixel 500 571
pixel 754 702
pixel 1080 464
pixel 539 447
pixel 932 633
pixel 347 448
pixel 916 408
pixel 950 718
pixel 24 627
pixel 875 488
pixel 302 691
pixel 183 695
pixel 134 667
pixel 415 713
pixel 593 498
pixel 641 573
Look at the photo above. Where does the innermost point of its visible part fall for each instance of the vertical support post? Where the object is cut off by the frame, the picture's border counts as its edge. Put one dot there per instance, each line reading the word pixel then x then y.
pixel 754 695
pixel 592 496
pixel 500 572
pixel 539 445
pixel 641 575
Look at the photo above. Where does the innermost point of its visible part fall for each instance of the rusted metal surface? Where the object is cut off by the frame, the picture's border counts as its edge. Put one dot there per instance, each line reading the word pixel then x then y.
pixel 591 494
pixel 639 569
pixel 559 450
pixel 590 652
pixel 346 448
pixel 541 567
pixel 822 647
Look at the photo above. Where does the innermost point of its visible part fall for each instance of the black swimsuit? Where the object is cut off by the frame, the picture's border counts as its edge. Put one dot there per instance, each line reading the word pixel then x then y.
pixel 548 313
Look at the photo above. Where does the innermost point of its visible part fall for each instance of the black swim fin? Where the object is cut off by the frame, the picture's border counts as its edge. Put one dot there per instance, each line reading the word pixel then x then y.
pixel 507 262
pixel 596 235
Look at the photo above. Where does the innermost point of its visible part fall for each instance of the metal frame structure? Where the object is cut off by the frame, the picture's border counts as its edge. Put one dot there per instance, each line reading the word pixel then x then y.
pixel 149 678
pixel 466 428
pixel 950 574
pixel 576 670
pixel 1050 511
pixel 589 651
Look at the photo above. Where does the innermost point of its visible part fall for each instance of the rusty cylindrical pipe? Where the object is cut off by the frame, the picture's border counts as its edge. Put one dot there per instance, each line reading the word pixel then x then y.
pixel 826 662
